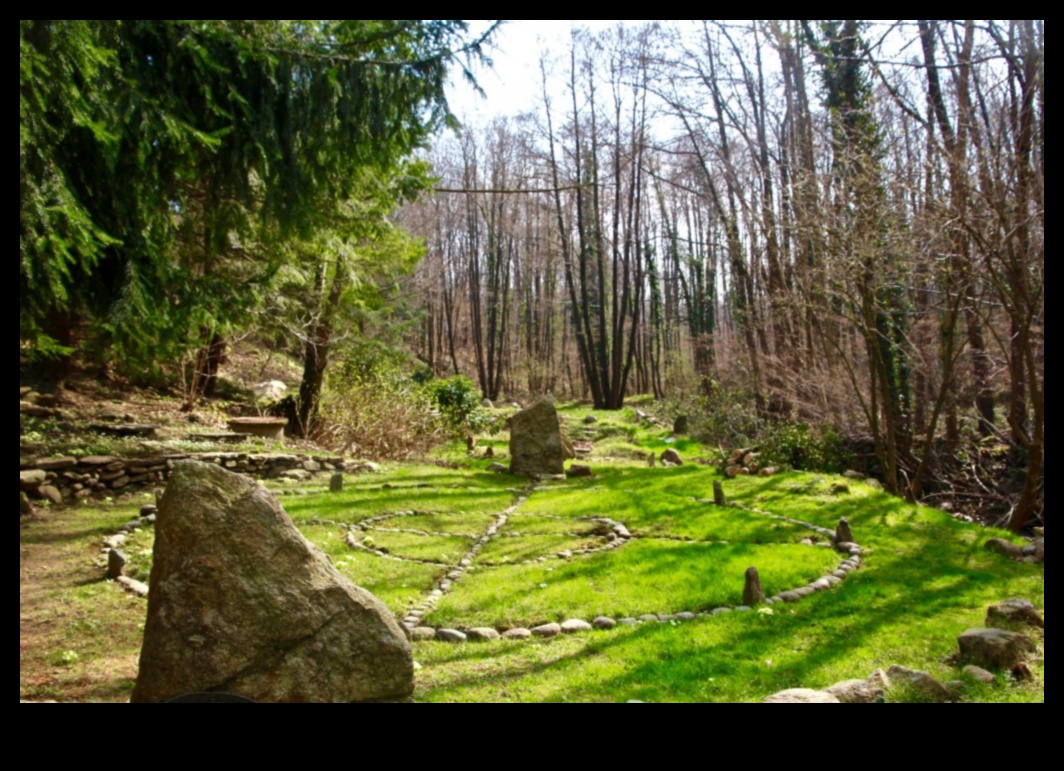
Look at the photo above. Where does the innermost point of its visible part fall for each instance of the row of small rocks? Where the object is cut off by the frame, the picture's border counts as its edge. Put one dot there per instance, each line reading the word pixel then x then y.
pixel 998 648
pixel 59 479
pixel 550 631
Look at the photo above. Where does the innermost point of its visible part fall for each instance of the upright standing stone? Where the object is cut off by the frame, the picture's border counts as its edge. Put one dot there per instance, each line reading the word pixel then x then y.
pixel 336 484
pixel 844 533
pixel 753 594
pixel 719 497
pixel 536 447
pixel 652 459
pixel 240 602
pixel 681 426
pixel 116 564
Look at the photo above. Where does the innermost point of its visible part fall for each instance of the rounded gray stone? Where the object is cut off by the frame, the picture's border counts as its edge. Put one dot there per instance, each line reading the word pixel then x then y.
pixel 547 631
pixel 576 626
pixel 517 635
pixel 423 634
pixel 604 624
pixel 483 635
pixel 451 636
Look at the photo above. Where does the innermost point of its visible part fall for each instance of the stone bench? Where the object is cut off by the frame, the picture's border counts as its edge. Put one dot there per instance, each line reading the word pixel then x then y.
pixel 265 428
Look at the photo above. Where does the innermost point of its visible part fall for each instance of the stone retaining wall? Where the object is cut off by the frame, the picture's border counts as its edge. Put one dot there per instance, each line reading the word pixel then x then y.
pixel 65 479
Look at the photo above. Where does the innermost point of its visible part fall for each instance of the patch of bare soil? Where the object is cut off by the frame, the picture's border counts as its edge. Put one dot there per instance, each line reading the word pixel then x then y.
pixel 79 636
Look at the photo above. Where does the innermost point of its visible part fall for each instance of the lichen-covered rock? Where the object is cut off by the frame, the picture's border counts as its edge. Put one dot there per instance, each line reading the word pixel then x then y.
pixel 996 649
pixel 240 602
pixel 802 696
pixel 1014 614
pixel 536 447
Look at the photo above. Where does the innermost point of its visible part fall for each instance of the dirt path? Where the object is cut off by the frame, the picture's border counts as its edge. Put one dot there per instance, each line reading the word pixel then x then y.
pixel 79 637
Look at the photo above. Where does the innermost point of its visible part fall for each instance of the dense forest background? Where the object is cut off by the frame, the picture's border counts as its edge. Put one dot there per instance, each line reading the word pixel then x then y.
pixel 828 234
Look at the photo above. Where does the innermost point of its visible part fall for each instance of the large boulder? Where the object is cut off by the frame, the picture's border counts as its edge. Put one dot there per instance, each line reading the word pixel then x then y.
pixel 996 649
pixel 241 603
pixel 536 447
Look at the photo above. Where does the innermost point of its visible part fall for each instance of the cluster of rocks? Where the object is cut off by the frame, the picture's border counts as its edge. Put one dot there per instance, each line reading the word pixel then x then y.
pixel 59 479
pixel 1002 647
pixel 35 405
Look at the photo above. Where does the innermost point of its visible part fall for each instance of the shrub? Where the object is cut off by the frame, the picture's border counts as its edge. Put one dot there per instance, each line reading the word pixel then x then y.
pixel 458 403
pixel 379 415
pixel 805 448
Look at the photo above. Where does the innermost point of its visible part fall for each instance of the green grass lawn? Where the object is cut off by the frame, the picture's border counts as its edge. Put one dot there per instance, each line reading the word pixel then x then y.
pixel 926 579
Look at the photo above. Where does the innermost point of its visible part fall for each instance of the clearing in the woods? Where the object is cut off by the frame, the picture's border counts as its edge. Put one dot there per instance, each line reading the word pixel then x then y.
pixel 926 578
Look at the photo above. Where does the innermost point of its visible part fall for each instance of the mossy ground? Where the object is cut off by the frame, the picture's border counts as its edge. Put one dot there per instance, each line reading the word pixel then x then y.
pixel 926 580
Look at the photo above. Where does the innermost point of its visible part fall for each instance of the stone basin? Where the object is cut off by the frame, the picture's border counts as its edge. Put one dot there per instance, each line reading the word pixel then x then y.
pixel 266 428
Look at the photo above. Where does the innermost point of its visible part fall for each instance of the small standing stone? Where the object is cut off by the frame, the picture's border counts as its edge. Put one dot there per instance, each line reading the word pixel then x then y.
pixel 116 564
pixel 844 533
pixel 681 426
pixel 719 497
pixel 336 483
pixel 651 460
pixel 753 594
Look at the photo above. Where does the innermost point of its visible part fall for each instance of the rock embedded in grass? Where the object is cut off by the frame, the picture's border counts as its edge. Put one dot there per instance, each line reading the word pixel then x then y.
pixel 801 696
pixel 451 636
pixel 604 624
pixel 517 635
pixel 423 634
pixel 996 649
pixel 547 631
pixel 483 635
pixel 1014 614
pixel 576 626
pixel 922 685
pixel 980 675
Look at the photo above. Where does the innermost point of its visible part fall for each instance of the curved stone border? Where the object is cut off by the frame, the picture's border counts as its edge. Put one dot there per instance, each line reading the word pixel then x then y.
pixel 412 622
